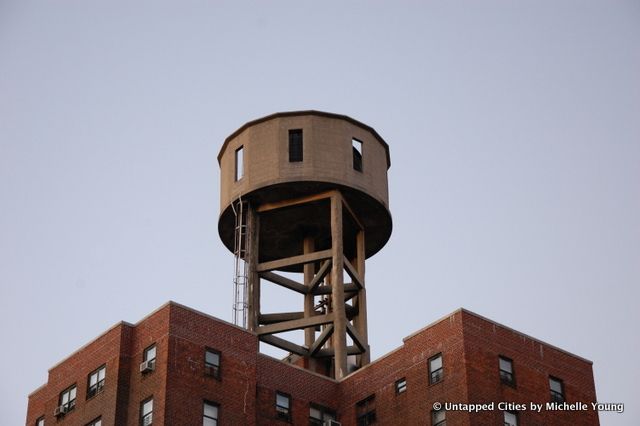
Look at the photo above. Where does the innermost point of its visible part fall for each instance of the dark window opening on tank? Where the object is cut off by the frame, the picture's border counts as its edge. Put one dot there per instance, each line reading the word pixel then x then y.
pixel 356 148
pixel 295 145
pixel 239 163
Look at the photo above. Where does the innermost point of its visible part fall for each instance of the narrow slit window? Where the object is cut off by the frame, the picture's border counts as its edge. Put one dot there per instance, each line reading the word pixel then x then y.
pixel 239 163
pixel 356 148
pixel 295 145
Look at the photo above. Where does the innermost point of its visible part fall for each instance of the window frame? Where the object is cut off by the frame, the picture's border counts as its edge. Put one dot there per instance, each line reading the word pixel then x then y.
pixel 99 385
pixel 71 403
pixel 239 163
pixel 210 369
pixel 366 411
pixel 95 422
pixel 506 377
pixel 282 412
pixel 436 422
pixel 326 414
pixel 145 354
pixel 357 152
pixel 142 413
pixel 515 415
pixel 296 145
pixel 212 404
pixel 556 396
pixel 40 421
pixel 401 385
pixel 434 377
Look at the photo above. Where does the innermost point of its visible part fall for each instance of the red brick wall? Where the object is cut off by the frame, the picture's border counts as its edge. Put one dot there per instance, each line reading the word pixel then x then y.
pixel 413 407
pixel 188 386
pixel 303 386
pixel 246 390
pixel 533 362
pixel 76 369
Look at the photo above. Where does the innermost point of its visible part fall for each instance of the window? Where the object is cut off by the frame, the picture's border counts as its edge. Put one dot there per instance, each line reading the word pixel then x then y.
pixel 283 406
pixel 96 381
pixel 40 421
pixel 146 412
pixel 319 415
pixel 295 145
pixel 356 148
pixel 557 389
pixel 210 414
pixel 510 419
pixel 366 411
pixel 239 163
pixel 436 373
pixel 149 354
pixel 67 400
pixel 96 422
pixel 212 363
pixel 401 386
pixel 506 371
pixel 438 418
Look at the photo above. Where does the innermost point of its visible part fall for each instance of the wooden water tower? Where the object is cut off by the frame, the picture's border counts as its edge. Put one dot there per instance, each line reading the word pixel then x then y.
pixel 306 193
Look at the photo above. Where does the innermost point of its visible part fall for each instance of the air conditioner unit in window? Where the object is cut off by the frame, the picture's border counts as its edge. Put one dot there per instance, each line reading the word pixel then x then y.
pixel 332 423
pixel 60 411
pixel 147 366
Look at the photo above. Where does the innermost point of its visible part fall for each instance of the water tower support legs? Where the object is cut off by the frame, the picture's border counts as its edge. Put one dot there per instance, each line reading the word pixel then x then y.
pixel 337 288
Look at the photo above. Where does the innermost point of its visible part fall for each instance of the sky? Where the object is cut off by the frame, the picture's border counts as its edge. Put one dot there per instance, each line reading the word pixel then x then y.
pixel 514 136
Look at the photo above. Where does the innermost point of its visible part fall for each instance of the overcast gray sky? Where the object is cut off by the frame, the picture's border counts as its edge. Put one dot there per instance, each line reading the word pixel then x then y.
pixel 514 130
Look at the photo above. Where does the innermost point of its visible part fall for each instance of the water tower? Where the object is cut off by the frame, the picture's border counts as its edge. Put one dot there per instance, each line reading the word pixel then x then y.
pixel 304 201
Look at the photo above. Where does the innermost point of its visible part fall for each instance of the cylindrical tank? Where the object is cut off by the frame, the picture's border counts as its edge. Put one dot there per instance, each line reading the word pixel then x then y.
pixel 288 155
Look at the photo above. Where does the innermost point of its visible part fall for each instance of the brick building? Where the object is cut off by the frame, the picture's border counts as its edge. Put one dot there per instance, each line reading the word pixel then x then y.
pixel 178 366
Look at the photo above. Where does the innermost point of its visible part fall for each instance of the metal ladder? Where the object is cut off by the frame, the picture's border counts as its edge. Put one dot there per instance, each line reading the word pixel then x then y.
pixel 240 305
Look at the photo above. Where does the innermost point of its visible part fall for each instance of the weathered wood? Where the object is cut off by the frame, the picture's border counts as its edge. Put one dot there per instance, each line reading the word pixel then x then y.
pixel 294 260
pixel 279 317
pixel 360 321
pixel 337 295
pixel 285 345
pixel 352 214
pixel 296 324
pixel 253 289
pixel 355 276
pixel 321 340
pixel 355 336
pixel 308 272
pixel 317 279
pixel 288 203
pixel 350 350
pixel 348 288
pixel 284 282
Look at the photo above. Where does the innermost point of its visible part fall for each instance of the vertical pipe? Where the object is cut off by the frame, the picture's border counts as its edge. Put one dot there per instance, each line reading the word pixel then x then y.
pixel 253 231
pixel 337 288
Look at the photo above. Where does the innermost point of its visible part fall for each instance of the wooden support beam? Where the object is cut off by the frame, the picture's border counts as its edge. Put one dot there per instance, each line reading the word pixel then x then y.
pixel 348 288
pixel 308 270
pixel 337 285
pixel 352 214
pixel 288 203
pixel 295 324
pixel 285 345
pixel 317 279
pixel 279 317
pixel 253 290
pixel 284 282
pixel 294 260
pixel 355 276
pixel 355 336
pixel 321 340
pixel 324 353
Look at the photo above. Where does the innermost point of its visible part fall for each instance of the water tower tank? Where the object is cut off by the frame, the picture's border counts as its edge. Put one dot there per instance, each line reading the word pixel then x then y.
pixel 306 192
